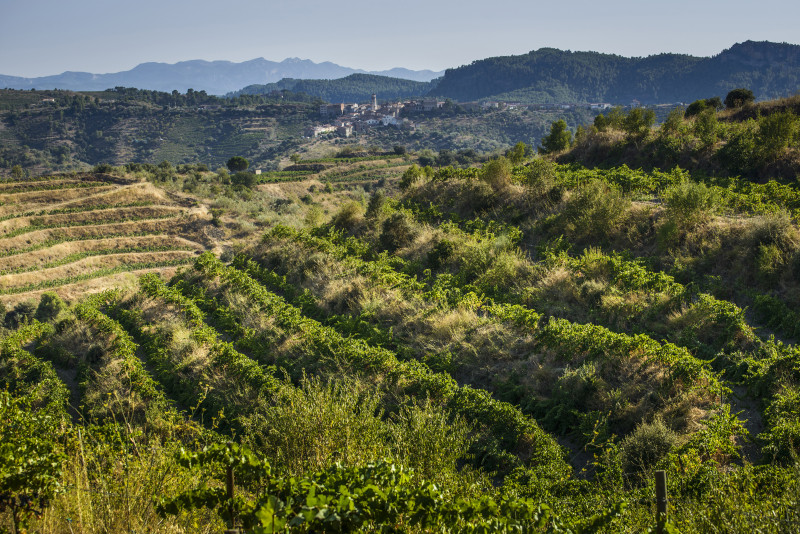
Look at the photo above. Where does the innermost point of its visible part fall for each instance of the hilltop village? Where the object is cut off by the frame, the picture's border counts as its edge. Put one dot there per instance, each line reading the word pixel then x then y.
pixel 346 119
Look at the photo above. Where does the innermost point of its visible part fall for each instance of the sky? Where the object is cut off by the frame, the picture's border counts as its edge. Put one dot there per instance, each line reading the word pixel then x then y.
pixel 44 37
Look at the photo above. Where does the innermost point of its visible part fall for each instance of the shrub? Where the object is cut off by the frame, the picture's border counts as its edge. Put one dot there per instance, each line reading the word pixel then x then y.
pixel 50 305
pixel 349 216
pixel 738 98
pixel 21 314
pixel 646 446
pixel 237 164
pixel 776 132
pixel 497 173
pixel 397 232
pixel 705 127
pixel 105 168
pixel 638 122
pixel 689 204
pixel 244 179
pixel 376 203
pixel 412 175
pixel 595 210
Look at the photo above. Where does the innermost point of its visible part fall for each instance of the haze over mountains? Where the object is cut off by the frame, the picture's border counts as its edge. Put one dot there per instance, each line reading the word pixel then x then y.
pixel 213 77
pixel 545 76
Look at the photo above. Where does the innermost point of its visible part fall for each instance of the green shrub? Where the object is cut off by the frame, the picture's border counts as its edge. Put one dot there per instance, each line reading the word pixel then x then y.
pixel 397 232
pixel 50 306
pixel 646 446
pixel 738 98
pixel 559 138
pixel 244 179
pixel 595 210
pixel 689 204
pixel 376 204
pixel 349 216
pixel 497 173
pixel 22 313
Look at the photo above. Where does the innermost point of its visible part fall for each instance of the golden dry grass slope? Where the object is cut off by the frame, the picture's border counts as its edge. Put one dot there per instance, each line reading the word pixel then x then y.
pixel 83 233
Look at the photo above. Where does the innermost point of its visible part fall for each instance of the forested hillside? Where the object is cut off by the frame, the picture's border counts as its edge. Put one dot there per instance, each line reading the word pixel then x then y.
pixel 354 88
pixel 367 344
pixel 548 75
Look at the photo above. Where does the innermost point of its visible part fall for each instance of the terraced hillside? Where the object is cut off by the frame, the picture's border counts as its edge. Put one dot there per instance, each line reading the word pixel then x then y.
pixel 85 232
pixel 496 349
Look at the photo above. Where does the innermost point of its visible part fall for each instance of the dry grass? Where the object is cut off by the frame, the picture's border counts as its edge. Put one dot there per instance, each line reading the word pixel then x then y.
pixel 89 264
pixel 54 253
pixel 72 292
pixel 175 222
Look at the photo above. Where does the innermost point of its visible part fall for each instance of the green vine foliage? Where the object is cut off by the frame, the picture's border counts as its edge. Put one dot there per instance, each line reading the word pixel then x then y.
pixel 30 462
pixel 378 496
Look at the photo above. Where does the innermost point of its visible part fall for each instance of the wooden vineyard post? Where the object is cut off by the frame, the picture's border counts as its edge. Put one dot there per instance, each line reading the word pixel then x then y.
pixel 661 501
pixel 229 489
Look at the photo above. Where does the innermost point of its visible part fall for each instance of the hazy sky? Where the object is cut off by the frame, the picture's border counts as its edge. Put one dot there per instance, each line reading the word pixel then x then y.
pixel 41 37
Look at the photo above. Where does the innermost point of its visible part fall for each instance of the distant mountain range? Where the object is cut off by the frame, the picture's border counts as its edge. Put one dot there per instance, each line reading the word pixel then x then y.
pixel 544 76
pixel 770 70
pixel 213 77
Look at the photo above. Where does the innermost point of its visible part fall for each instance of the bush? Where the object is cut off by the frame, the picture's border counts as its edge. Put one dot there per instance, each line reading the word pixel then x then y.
pixel 244 179
pixel 689 204
pixel 104 168
pixel 22 313
pixel 738 98
pixel 50 305
pixel 497 173
pixel 349 216
pixel 414 174
pixel 237 164
pixel 559 138
pixel 595 210
pixel 646 446
pixel 376 203
pixel 397 232
pixel 776 132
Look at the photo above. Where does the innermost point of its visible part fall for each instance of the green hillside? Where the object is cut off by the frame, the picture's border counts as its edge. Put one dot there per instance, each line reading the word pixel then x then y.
pixel 353 88
pixel 548 75
pixel 370 345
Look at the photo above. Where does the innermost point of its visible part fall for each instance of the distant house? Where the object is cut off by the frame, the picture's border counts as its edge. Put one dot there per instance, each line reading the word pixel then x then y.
pixel 429 104
pixel 345 130
pixel 315 131
pixel 332 110
pixel 599 105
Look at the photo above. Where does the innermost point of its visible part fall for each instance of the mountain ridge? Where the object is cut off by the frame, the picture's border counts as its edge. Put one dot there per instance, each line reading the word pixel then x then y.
pixel 549 75
pixel 214 77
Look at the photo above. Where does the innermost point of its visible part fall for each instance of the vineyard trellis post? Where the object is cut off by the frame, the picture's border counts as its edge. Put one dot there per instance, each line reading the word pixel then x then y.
pixel 229 490
pixel 661 501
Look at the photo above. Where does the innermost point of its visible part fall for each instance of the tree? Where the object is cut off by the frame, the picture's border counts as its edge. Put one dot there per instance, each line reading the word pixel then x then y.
pixel 237 164
pixel 739 97
pixel 16 172
pixel 244 179
pixel 295 158
pixel 517 153
pixel 559 139
pixel 638 122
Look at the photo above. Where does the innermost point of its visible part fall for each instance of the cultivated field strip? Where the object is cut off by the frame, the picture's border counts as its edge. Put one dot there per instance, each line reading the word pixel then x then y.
pixel 34 198
pixel 69 232
pixel 478 333
pixel 51 256
pixel 195 367
pixel 272 330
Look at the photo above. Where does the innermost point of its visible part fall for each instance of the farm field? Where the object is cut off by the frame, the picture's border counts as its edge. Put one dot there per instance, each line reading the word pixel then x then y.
pixel 373 345
pixel 72 232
